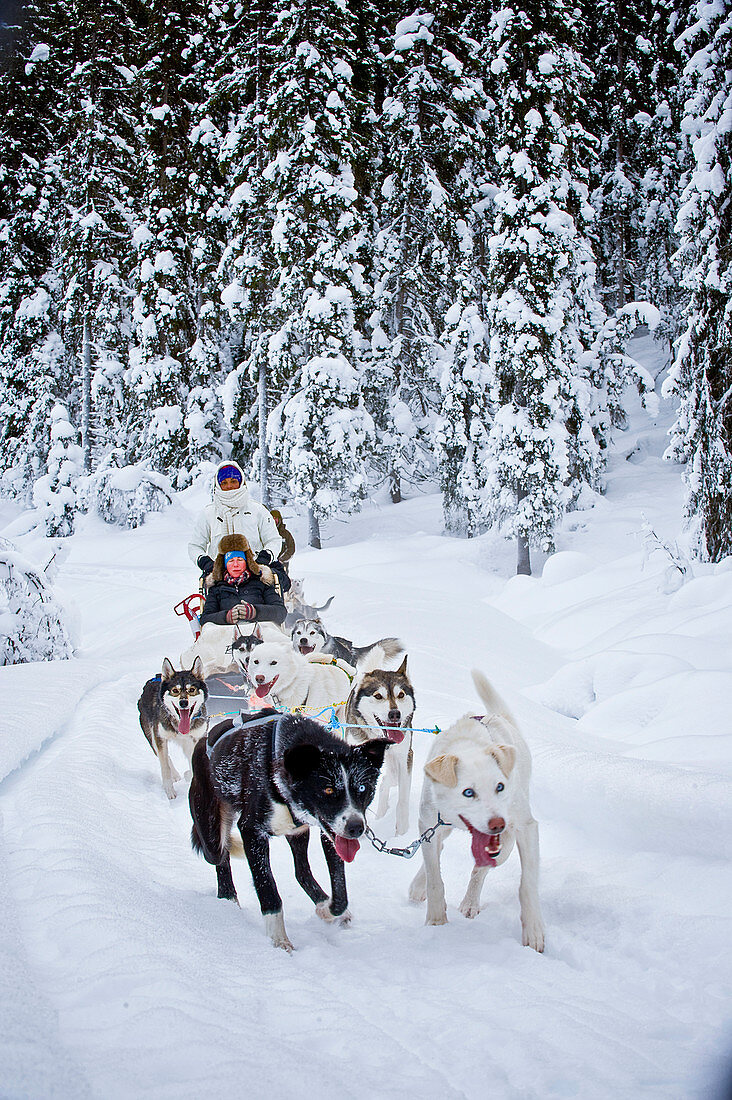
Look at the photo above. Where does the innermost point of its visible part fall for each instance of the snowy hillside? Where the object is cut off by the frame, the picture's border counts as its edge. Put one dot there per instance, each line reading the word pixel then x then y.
pixel 124 977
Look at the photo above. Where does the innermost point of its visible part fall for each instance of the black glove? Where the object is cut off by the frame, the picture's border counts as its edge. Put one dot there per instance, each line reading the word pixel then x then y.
pixel 205 564
pixel 264 557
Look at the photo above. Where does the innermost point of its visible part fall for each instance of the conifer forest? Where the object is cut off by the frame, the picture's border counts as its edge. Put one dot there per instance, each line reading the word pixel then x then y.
pixel 362 246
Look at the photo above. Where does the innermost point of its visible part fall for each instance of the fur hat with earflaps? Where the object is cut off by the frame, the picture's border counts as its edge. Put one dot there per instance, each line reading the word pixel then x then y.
pixel 226 545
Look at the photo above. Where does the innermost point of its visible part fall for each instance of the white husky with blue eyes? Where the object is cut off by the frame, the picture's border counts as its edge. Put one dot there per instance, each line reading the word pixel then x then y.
pixel 477 779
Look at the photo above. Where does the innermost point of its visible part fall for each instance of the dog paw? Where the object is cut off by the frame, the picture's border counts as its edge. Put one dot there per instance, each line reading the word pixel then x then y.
pixel 170 791
pixel 533 934
pixel 284 944
pixel 439 918
pixel 345 919
pixel 323 911
pixel 417 893
pixel 469 910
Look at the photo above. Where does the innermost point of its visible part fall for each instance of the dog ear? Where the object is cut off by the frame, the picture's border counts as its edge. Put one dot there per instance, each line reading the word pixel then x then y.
pixel 402 670
pixel 197 669
pixel 505 757
pixel 258 633
pixel 301 761
pixel 168 670
pixel 374 750
pixel 443 769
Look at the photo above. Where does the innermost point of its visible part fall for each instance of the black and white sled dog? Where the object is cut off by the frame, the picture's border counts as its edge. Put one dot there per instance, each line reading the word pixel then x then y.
pixel 173 708
pixel 243 645
pixel 384 699
pixel 272 775
pixel 310 636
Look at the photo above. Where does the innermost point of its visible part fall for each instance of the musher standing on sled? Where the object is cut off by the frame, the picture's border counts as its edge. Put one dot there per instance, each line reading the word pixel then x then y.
pixel 233 512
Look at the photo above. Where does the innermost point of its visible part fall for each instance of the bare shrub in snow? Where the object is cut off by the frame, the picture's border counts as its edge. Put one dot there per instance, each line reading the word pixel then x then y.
pixel 679 568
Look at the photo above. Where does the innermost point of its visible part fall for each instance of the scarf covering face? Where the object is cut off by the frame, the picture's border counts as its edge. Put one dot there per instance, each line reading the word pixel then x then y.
pixel 231 501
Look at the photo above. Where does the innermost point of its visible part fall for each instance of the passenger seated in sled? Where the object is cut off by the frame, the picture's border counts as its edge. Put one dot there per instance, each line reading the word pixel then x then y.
pixel 242 590
pixel 233 512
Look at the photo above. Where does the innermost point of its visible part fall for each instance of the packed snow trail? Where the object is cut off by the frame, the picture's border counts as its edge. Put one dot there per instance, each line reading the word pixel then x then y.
pixel 125 977
pixel 160 989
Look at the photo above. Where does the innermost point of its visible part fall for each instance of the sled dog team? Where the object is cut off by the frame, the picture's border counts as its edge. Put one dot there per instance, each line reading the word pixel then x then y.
pixel 272 773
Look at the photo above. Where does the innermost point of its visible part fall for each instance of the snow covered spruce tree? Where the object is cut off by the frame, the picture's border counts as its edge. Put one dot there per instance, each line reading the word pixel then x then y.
pixel 541 310
pixel 55 493
pixel 172 422
pixel 464 421
pixel 702 373
pixel 237 104
pixel 92 253
pixel 321 435
pixel 616 46
pixel 663 163
pixel 33 367
pixel 427 133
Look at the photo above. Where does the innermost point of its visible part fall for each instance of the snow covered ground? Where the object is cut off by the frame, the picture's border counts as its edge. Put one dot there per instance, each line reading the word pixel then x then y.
pixel 123 976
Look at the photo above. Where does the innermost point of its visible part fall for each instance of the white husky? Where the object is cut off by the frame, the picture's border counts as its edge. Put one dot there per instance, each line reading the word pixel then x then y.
pixel 477 779
pixel 213 645
pixel 279 674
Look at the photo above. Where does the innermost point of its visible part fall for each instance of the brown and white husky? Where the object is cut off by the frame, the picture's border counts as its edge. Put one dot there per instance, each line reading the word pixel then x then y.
pixel 383 699
pixel 173 708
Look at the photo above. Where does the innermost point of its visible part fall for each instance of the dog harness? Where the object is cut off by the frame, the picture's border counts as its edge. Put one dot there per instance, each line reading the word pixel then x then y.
pixel 275 719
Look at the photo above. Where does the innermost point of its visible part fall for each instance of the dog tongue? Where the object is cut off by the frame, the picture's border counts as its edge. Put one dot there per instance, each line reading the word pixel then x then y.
pixel 482 845
pixel 397 736
pixel 481 848
pixel 184 723
pixel 346 849
pixel 263 689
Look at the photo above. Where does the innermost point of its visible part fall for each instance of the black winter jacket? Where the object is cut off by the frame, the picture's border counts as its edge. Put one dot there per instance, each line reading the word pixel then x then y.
pixel 265 598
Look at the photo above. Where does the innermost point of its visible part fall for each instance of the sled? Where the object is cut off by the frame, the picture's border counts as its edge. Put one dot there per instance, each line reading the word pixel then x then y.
pixel 228 695
pixel 191 607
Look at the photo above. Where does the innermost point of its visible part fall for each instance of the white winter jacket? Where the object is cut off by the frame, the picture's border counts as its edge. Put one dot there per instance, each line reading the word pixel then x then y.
pixel 233 513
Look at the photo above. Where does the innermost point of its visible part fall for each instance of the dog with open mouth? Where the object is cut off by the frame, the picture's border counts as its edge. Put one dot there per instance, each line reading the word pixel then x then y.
pixel 383 699
pixel 280 675
pixel 172 708
pixel 477 779
pixel 310 636
pixel 271 774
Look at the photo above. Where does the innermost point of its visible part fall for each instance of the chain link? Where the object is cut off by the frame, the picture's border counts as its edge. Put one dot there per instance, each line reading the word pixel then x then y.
pixel 411 849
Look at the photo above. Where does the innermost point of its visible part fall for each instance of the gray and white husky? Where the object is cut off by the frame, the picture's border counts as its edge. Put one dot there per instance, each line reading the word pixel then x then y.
pixel 310 636
pixel 173 708
pixel 383 699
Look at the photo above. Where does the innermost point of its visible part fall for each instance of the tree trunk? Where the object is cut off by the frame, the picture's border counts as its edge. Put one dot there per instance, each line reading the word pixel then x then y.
pixel 395 487
pixel 86 441
pixel 620 259
pixel 263 455
pixel 313 529
pixel 523 561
